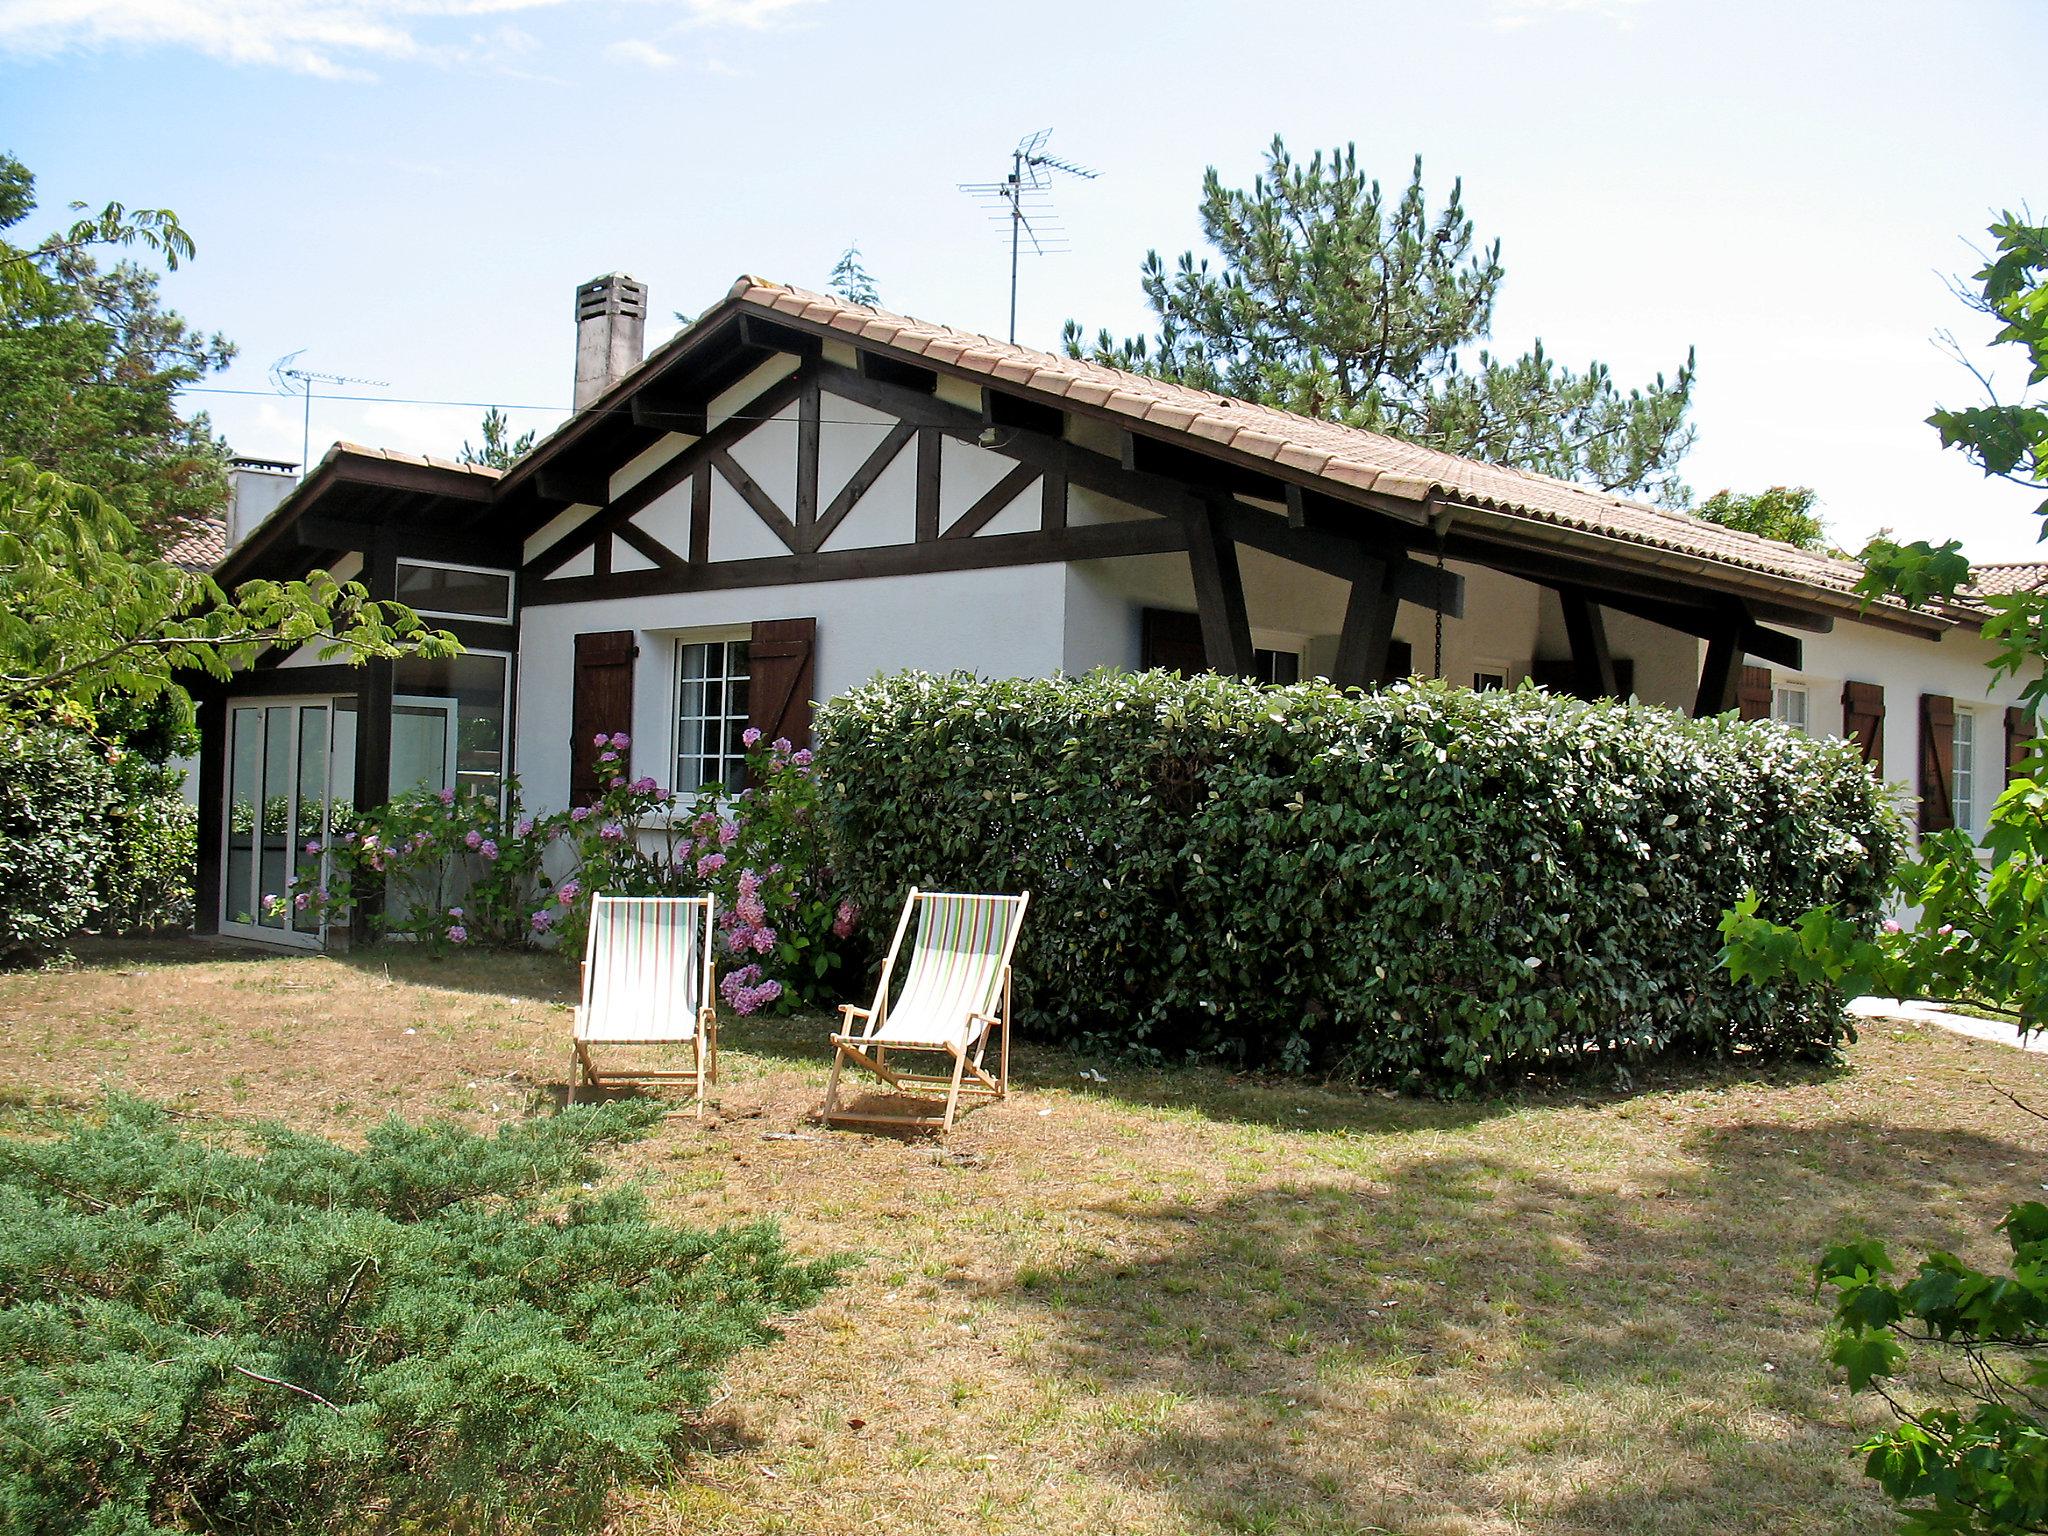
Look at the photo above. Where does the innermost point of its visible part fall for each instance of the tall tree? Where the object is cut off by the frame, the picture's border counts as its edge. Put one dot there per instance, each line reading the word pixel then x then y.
pixel 1332 300
pixel 500 450
pixel 1782 512
pixel 850 280
pixel 91 363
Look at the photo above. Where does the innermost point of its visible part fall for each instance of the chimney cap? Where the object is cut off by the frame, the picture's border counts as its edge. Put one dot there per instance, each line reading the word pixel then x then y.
pixel 269 466
pixel 615 292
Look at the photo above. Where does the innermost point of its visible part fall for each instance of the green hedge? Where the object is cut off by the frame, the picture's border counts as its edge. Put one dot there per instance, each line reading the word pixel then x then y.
pixel 1421 884
pixel 58 798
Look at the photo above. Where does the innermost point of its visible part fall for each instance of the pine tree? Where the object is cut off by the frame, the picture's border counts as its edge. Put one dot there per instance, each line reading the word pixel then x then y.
pixel 500 450
pixel 851 282
pixel 1331 300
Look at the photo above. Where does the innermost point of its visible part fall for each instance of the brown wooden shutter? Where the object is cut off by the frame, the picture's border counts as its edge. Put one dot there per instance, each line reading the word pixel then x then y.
pixel 1863 719
pixel 1753 693
pixel 781 662
pixel 1171 640
pixel 1937 762
pixel 603 701
pixel 2019 735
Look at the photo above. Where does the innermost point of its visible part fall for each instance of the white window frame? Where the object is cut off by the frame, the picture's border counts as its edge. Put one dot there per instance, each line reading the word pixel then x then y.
pixel 510 703
pixel 725 636
pixel 1499 669
pixel 1785 686
pixel 1969 812
pixel 511 590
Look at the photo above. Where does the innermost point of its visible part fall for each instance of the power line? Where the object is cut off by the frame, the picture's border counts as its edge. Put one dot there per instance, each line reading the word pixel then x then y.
pixel 492 405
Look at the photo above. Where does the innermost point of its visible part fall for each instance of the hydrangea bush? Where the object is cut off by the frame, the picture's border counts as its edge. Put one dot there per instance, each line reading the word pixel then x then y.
pixel 464 868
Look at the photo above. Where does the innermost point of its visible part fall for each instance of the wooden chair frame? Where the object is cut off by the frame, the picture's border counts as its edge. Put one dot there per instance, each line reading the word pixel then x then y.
pixel 703 1069
pixel 968 1076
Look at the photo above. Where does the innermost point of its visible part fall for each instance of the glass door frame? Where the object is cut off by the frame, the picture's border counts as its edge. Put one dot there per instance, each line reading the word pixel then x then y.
pixel 295 837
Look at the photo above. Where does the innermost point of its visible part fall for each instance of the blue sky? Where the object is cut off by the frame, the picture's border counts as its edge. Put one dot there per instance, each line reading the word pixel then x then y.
pixel 410 189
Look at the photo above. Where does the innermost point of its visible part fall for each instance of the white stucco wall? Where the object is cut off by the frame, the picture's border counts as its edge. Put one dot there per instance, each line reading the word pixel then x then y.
pixel 1001 623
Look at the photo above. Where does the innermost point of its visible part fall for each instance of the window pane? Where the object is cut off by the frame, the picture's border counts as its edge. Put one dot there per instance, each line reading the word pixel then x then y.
pixel 469 688
pixel 476 594
pixel 245 790
pixel 274 832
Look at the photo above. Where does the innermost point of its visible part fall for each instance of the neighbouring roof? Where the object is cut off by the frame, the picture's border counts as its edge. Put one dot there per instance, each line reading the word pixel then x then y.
pixel 2003 577
pixel 200 548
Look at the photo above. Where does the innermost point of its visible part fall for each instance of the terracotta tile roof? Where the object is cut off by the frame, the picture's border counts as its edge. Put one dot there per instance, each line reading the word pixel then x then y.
pixel 1998 579
pixel 200 548
pixel 1350 455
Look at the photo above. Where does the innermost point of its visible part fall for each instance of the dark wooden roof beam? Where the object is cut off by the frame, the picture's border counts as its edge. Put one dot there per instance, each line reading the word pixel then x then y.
pixel 567 485
pixel 999 408
pixel 770 336
pixel 884 369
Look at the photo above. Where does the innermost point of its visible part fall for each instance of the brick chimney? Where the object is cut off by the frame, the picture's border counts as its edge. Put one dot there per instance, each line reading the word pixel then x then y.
pixel 611 333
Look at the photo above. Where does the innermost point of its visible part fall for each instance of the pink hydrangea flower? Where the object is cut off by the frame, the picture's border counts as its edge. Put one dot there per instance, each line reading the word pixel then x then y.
pixel 600 740
pixel 567 892
pixel 660 795
pixel 302 900
pixel 727 831
pixel 844 919
pixel 764 940
pixel 488 849
pixel 802 757
pixel 751 736
pixel 525 827
pixel 458 934
pixel 543 920
pixel 446 797
pixel 611 832
pixel 780 746
pixel 621 740
pixel 607 757
pixel 709 865
pixel 473 839
pixel 456 912
pixel 616 781
pixel 313 849
pixel 643 785
pixel 581 813
pixel 1889 926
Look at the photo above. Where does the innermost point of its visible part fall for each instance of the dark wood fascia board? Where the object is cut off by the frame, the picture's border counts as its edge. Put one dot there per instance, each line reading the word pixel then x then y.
pixel 987 552
pixel 1001 408
pixel 886 369
pixel 663 409
pixel 758 331
pixel 564 486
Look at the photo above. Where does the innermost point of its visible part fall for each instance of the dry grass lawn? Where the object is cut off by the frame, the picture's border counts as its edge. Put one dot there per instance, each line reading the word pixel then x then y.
pixel 1180 1301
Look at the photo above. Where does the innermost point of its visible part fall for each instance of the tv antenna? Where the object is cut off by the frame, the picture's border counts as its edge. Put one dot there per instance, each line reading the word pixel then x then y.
pixel 288 379
pixel 1023 200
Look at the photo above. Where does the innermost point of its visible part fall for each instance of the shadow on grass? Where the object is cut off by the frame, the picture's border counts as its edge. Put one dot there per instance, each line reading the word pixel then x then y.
pixel 528 975
pixel 1484 1340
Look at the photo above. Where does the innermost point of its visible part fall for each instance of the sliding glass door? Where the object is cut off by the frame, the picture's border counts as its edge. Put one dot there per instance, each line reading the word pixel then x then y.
pixel 291 780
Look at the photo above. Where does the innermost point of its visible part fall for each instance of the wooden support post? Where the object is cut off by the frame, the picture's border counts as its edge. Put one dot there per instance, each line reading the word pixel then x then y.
pixel 927 484
pixel 1592 663
pixel 1368 628
pixel 212 715
pixel 1219 594
pixel 807 421
pixel 1720 673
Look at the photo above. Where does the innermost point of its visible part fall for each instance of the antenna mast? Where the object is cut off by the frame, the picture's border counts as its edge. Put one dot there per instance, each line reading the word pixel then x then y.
pixel 290 380
pixel 1023 200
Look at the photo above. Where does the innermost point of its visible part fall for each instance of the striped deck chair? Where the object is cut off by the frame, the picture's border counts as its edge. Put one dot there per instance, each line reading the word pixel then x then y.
pixel 647 980
pixel 956 990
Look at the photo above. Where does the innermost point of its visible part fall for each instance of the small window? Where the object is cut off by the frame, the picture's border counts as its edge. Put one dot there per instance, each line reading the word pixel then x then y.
pixel 1963 775
pixel 1788 705
pixel 711 714
pixel 1489 680
pixel 1276 666
pixel 455 591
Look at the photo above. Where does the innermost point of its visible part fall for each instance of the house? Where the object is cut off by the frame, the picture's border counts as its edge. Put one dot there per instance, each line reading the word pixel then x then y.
pixel 796 493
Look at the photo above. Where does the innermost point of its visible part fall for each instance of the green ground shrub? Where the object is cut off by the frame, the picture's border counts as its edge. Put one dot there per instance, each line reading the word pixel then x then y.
pixel 1418 884
pixel 145 885
pixel 58 801
pixel 257 1330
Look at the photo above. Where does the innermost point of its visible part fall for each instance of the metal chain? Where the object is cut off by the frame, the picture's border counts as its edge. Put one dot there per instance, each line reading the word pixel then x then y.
pixel 1438 669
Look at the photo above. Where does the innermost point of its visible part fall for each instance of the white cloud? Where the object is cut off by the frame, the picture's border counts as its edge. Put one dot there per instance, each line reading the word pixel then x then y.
pixel 334 39
pixel 635 50
pixel 1510 14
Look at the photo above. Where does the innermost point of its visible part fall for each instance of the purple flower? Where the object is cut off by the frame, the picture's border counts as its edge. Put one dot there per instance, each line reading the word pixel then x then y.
pixel 348 837
pixel 611 832
pixel 616 781
pixel 473 839
pixel 643 785
pixel 600 739
pixel 525 827
pixel 751 736
pixel 780 746
pixel 446 797
pixel 302 900
pixel 313 849
pixel 458 934
pixel 709 865
pixel 843 920
pixel 764 939
pixel 581 813
pixel 567 892
pixel 802 757
pixel 1889 926
pixel 488 849
pixel 543 920
pixel 727 831
pixel 621 740
pixel 455 912
pixel 607 757
pixel 745 991
pixel 660 795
